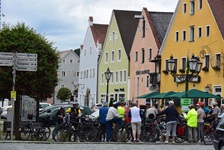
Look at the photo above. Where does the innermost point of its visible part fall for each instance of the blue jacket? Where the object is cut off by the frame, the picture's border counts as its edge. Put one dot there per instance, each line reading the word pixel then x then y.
pixel 171 114
pixel 103 114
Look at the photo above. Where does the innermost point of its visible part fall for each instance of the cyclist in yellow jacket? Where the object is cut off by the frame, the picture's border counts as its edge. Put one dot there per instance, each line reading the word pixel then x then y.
pixel 121 111
pixel 192 122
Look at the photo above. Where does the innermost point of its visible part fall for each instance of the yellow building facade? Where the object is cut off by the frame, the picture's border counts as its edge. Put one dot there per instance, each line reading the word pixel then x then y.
pixel 195 29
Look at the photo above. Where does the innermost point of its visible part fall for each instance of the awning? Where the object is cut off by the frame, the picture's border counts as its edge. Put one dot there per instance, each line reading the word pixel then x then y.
pixel 163 95
pixel 193 93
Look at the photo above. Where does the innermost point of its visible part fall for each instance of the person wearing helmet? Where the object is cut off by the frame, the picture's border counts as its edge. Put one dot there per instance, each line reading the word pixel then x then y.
pixel 201 116
pixel 150 114
pixel 171 121
pixel 216 110
pixel 74 112
pixel 192 122
pixel 112 117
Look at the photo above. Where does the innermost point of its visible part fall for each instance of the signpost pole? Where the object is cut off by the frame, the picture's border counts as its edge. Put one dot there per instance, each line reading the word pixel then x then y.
pixel 13 89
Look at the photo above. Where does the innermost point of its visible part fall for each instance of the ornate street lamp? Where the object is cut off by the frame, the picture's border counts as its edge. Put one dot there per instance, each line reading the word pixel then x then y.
pixel 108 76
pixel 193 68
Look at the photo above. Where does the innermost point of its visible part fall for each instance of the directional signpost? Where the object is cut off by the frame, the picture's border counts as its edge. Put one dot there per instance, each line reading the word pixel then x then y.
pixel 20 62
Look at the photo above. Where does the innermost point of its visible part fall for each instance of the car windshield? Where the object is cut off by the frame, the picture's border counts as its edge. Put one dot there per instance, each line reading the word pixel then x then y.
pixel 51 108
pixel 43 105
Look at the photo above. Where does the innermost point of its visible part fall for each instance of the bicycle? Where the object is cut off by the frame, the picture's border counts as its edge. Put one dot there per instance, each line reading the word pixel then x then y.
pixel 121 133
pixel 209 130
pixel 42 132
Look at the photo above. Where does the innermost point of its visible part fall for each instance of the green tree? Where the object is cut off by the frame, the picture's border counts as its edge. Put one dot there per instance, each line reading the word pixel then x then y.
pixel 64 94
pixel 22 39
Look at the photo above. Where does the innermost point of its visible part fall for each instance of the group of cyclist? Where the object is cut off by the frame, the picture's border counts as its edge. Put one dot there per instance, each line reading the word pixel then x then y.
pixel 119 113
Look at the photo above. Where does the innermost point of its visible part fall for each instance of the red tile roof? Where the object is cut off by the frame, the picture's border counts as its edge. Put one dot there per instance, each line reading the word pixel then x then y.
pixel 99 32
pixel 217 7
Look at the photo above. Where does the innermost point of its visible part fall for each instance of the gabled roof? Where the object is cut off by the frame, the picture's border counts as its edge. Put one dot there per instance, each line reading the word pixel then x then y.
pixel 63 54
pixel 99 32
pixel 159 22
pixel 127 26
pixel 217 8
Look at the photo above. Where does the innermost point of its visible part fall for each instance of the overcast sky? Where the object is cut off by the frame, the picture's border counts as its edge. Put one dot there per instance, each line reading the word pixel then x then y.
pixel 64 22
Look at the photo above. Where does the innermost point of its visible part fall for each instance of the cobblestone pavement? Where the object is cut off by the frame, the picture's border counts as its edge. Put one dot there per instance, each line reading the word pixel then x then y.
pixel 99 146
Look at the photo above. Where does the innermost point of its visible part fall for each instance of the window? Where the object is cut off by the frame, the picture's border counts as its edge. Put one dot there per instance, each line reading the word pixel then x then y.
pixel 143 28
pixel 63 60
pixel 207 31
pixel 84 75
pixel 84 52
pixel 113 37
pixel 119 55
pixel 90 73
pixel 147 81
pixel 199 4
pixel 87 73
pixel 78 61
pixel 176 36
pixel 121 77
pixel 102 78
pixel 183 63
pixel 90 50
pixel 192 7
pixel 184 8
pixel 191 33
pixel 184 36
pixel 106 57
pixel 93 72
pixel 116 76
pixel 199 32
pixel 112 77
pixel 63 73
pixel 112 56
pixel 218 60
pixel 81 75
pixel 136 56
pixel 124 75
pixel 150 54
pixel 143 56
pixel 207 61
pixel 77 74
pixel 62 86
pixel 70 60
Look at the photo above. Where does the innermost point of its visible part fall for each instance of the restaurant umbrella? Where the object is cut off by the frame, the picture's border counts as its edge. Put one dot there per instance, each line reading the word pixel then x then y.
pixel 148 95
pixel 163 95
pixel 193 93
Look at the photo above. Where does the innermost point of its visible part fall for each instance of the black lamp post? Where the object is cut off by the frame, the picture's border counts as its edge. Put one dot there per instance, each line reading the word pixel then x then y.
pixel 193 68
pixel 108 76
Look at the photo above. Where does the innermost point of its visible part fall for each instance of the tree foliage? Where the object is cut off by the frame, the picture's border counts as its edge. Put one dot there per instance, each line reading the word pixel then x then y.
pixel 22 39
pixel 64 94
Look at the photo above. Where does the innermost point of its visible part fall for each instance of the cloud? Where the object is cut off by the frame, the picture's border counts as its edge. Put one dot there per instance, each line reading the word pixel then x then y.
pixel 64 22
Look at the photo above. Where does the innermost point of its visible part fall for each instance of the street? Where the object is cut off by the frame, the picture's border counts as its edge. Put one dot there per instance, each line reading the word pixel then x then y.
pixel 99 146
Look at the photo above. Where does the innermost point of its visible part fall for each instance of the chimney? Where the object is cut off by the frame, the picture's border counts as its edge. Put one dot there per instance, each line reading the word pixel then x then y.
pixel 90 21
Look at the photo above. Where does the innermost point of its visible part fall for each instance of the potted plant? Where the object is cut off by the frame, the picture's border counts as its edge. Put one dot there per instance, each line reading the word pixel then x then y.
pixel 165 71
pixel 205 69
pixel 181 70
pixel 216 68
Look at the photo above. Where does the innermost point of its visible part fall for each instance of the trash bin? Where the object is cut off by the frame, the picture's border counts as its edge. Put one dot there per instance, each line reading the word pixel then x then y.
pixel 9 114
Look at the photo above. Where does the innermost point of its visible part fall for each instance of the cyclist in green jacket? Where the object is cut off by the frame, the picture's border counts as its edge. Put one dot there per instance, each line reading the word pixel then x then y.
pixel 192 122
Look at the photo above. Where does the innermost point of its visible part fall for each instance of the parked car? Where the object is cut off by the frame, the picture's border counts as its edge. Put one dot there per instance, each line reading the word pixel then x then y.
pixel 4 111
pixel 95 115
pixel 43 105
pixel 52 111
pixel 218 141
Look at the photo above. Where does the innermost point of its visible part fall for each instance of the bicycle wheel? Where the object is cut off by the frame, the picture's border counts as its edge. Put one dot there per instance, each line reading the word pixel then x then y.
pixel 182 138
pixel 60 134
pixel 43 133
pixel 25 133
pixel 90 133
pixel 149 134
pixel 208 137
pixel 120 135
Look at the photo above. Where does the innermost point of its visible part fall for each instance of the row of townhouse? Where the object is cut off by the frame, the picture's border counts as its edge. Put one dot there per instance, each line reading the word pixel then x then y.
pixel 136 45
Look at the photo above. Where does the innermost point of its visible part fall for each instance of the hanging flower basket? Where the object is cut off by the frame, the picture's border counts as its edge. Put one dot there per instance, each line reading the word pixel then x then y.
pixel 216 68
pixel 165 71
pixel 181 70
pixel 205 69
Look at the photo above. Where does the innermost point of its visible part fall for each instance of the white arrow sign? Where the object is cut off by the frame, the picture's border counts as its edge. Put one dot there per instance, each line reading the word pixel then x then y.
pixel 23 59
pixel 6 63
pixel 28 63
pixel 26 55
pixel 24 68
pixel 3 54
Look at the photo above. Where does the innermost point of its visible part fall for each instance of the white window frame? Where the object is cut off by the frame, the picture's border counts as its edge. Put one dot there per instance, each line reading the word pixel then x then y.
pixel 192 32
pixel 90 73
pixel 192 7
pixel 121 76
pixel 184 8
pixel 112 56
pixel 199 29
pixel 136 56
pixel 184 35
pixel 93 72
pixel 150 53
pixel 200 4
pixel 71 60
pixel 63 73
pixel 116 77
pixel 106 57
pixel 207 32
pixel 63 61
pixel 176 36
pixel 90 49
pixel 102 78
pixel 125 76
pixel 119 55
pixel 112 77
